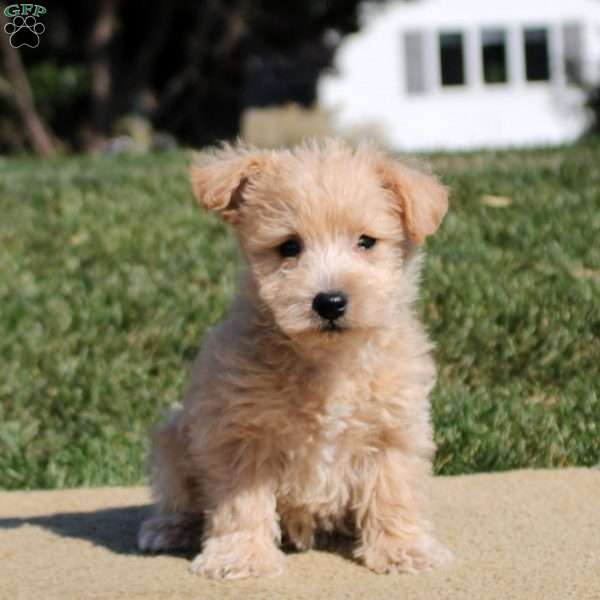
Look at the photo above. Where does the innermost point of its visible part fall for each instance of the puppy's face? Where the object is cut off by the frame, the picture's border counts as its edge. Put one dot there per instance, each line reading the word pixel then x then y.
pixel 325 230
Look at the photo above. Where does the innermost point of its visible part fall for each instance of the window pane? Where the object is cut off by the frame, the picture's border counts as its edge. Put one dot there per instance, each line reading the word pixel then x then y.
pixel 451 59
pixel 414 61
pixel 493 43
pixel 572 42
pixel 537 65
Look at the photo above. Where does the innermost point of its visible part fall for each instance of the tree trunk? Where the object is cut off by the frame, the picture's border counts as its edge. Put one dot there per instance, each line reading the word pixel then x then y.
pixel 37 132
pixel 98 51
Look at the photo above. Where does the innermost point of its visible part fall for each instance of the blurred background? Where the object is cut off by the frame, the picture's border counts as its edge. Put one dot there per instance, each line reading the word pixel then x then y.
pixel 110 275
pixel 116 76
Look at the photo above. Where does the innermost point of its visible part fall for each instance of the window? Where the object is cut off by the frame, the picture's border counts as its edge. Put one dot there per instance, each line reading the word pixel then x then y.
pixel 572 42
pixel 414 62
pixel 452 59
pixel 493 43
pixel 537 63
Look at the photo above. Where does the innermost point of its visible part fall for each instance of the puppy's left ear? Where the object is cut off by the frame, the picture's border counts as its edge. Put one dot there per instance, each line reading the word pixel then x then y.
pixel 422 199
pixel 219 177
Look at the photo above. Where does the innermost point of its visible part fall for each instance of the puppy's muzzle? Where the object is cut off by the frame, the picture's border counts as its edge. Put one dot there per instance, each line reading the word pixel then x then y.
pixel 330 305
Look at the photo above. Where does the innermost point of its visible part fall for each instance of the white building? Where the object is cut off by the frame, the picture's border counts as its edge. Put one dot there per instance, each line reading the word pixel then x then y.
pixel 460 74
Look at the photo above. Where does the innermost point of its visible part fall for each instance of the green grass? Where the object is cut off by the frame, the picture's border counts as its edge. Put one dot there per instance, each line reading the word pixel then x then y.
pixel 109 276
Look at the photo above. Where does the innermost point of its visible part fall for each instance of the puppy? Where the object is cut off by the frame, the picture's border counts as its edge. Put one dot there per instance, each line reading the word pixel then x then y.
pixel 308 406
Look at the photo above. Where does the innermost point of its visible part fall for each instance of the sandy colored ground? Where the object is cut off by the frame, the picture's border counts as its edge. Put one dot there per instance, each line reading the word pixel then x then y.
pixel 525 535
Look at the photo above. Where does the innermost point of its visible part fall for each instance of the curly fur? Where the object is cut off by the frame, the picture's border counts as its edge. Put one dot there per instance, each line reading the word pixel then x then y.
pixel 287 426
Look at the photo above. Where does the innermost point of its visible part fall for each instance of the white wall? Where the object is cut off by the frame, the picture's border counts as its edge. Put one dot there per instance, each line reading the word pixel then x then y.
pixel 370 86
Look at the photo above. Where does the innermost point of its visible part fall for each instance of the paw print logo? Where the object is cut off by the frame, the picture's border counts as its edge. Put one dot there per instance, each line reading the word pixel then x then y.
pixel 24 31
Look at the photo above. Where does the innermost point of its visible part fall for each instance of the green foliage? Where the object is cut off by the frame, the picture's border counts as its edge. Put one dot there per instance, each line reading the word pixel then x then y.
pixel 57 88
pixel 109 276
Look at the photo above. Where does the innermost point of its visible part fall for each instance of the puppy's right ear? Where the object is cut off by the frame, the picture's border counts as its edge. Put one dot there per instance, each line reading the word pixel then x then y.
pixel 219 177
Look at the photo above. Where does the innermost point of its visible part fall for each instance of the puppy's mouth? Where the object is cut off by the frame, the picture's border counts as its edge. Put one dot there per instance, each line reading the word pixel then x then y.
pixel 331 327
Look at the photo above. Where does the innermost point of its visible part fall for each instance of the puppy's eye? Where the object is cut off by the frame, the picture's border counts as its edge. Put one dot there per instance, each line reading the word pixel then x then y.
pixel 366 242
pixel 290 248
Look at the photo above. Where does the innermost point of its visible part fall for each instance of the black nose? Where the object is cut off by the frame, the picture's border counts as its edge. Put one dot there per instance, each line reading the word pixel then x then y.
pixel 330 305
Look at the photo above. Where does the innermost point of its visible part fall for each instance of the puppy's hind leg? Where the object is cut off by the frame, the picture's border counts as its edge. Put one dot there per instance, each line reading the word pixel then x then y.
pixel 163 533
pixel 177 523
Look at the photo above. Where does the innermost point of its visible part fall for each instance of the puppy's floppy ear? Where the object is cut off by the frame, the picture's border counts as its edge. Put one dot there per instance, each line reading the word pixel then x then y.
pixel 422 199
pixel 219 176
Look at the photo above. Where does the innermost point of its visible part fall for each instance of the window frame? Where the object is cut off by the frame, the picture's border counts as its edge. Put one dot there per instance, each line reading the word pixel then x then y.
pixel 547 30
pixel 506 50
pixel 415 75
pixel 462 35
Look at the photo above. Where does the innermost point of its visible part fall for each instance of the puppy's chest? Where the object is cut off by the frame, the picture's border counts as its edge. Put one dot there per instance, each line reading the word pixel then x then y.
pixel 315 455
pixel 322 453
pixel 332 429
pixel 331 417
pixel 324 436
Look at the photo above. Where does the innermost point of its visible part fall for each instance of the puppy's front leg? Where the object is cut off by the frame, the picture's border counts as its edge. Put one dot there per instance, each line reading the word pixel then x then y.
pixel 394 536
pixel 242 532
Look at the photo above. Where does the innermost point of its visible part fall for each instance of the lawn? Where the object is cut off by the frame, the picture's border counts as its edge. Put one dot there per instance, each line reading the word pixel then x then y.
pixel 109 275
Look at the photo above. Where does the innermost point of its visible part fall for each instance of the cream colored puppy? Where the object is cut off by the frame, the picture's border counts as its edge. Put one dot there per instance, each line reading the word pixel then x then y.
pixel 308 406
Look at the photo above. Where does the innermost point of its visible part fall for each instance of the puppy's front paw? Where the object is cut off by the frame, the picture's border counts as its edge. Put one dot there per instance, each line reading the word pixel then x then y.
pixel 236 556
pixel 392 555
